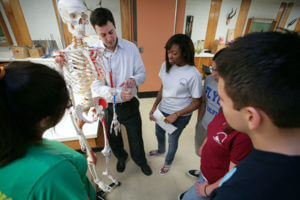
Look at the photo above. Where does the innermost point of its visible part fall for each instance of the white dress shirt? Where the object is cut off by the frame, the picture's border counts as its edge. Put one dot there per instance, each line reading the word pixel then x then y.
pixel 126 63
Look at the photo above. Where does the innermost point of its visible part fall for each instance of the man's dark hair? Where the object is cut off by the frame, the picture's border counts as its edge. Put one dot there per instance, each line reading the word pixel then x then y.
pixel 29 92
pixel 186 46
pixel 263 70
pixel 218 53
pixel 100 17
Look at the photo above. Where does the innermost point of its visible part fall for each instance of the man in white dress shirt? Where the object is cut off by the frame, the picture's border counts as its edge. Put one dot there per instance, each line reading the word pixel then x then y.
pixel 128 72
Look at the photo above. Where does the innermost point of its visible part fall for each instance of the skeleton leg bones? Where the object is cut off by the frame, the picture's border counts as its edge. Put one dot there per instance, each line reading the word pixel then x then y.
pixel 79 119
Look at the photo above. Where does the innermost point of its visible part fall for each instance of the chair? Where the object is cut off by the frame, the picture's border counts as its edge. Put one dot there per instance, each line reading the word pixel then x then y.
pixel 206 71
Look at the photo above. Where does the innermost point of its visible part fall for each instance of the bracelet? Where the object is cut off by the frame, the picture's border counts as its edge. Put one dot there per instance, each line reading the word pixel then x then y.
pixel 206 195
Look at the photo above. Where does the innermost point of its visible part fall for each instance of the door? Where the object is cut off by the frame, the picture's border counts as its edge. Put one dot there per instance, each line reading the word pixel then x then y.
pixel 155 25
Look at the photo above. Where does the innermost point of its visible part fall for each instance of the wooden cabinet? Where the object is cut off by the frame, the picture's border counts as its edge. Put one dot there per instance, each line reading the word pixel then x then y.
pixel 97 143
pixel 199 61
pixel 2 64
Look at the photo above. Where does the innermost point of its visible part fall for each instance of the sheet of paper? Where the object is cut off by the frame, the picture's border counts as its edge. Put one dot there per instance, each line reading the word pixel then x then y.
pixel 169 128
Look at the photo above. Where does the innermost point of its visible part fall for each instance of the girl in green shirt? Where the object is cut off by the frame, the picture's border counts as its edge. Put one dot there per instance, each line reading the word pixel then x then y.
pixel 33 98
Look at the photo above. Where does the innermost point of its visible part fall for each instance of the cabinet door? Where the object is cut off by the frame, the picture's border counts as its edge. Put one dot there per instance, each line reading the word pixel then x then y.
pixel 199 61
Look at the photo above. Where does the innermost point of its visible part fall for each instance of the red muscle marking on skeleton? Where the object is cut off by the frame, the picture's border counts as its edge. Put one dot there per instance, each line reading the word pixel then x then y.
pixel 60 59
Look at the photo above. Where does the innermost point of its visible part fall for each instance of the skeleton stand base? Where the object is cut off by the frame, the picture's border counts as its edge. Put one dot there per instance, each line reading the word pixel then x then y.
pixel 101 194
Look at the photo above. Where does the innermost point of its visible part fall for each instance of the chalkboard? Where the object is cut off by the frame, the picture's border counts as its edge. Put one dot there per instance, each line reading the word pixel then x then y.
pixel 260 25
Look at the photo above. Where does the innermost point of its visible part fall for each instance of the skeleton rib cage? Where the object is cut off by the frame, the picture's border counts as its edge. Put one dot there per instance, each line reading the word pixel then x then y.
pixel 82 65
pixel 80 73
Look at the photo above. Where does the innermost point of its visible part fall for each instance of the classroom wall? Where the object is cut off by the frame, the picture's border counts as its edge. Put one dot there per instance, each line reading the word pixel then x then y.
pixel 113 6
pixel 5 50
pixel 295 13
pixel 258 8
pixel 264 9
pixel 41 21
pixel 226 7
pixel 200 11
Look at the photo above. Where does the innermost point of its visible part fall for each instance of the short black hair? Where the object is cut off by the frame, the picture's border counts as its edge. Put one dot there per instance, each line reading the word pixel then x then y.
pixel 29 92
pixel 263 70
pixel 218 53
pixel 100 17
pixel 186 46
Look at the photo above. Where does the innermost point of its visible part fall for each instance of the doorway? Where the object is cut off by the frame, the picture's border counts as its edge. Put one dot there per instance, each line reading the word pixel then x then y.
pixel 155 25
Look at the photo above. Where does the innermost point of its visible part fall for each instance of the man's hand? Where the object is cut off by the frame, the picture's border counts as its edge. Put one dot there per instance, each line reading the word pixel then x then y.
pixel 126 94
pixel 129 83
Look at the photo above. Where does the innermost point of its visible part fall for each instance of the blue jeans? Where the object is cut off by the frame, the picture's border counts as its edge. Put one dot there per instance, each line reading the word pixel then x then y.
pixel 180 123
pixel 191 193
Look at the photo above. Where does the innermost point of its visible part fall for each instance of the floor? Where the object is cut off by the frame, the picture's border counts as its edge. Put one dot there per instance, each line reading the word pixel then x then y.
pixel 137 186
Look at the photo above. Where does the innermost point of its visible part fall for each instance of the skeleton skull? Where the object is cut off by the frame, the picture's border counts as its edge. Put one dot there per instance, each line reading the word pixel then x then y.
pixel 74 14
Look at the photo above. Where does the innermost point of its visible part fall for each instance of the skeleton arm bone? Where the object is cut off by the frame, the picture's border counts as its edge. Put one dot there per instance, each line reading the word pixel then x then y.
pixel 98 89
pixel 105 91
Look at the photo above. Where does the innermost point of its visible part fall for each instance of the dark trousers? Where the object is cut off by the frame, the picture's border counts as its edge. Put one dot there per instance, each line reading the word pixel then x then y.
pixel 128 115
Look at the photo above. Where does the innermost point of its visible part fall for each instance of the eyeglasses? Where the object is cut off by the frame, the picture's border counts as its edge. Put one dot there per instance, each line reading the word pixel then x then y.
pixel 69 104
pixel 212 69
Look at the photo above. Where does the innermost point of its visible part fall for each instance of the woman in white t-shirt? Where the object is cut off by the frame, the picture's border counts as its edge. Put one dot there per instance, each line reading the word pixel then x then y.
pixel 178 96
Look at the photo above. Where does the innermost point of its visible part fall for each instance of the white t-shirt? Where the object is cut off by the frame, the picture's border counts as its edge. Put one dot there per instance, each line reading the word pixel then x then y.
pixel 180 85
pixel 212 100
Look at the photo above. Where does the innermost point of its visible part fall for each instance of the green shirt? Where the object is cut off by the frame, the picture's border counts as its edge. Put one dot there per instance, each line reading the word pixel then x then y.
pixel 49 170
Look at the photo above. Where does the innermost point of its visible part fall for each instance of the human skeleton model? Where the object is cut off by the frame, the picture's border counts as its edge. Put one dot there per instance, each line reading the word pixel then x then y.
pixel 81 64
